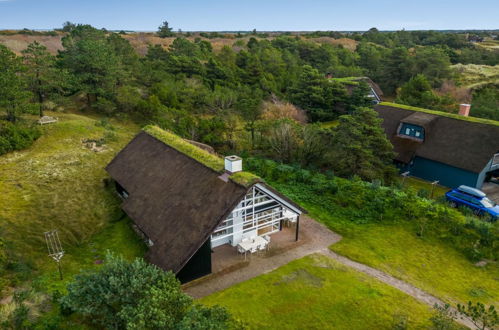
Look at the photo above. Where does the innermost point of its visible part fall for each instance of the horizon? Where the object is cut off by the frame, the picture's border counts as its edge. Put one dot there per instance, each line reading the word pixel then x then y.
pixel 228 16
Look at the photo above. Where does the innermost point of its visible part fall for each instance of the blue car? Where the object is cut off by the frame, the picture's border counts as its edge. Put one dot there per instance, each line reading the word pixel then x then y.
pixel 474 199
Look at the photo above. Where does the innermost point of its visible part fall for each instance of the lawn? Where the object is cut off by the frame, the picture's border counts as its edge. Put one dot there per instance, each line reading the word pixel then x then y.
pixel 317 292
pixel 58 183
pixel 426 262
pixel 418 184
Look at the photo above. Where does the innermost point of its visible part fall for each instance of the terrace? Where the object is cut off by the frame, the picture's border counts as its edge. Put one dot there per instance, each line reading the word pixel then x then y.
pixel 225 258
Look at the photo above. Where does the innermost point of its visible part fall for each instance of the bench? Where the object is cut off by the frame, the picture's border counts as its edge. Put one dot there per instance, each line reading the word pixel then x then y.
pixel 47 120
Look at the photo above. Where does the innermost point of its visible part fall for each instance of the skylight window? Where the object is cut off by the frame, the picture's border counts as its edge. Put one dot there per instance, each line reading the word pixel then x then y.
pixel 413 131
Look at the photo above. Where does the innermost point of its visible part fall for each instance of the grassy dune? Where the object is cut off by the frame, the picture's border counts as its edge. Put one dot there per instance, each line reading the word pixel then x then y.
pixel 317 292
pixel 475 75
pixel 58 184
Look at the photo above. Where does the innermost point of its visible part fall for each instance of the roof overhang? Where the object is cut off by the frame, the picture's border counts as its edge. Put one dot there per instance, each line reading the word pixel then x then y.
pixel 266 189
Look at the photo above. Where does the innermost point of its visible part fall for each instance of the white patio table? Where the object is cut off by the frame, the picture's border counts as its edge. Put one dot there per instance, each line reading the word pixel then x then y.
pixel 252 245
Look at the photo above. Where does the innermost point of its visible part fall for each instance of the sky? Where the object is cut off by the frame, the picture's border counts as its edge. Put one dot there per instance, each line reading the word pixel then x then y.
pixel 243 15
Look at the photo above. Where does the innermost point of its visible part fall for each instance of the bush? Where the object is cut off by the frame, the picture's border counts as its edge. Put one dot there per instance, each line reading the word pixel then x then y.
pixel 16 136
pixel 137 295
pixel 364 202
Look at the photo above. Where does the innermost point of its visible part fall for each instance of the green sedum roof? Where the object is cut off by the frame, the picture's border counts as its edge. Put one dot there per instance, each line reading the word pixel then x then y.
pixel 212 161
pixel 441 113
pixel 347 80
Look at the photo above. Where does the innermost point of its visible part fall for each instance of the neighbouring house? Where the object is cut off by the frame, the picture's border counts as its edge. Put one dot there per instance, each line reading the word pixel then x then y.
pixel 452 148
pixel 350 83
pixel 185 200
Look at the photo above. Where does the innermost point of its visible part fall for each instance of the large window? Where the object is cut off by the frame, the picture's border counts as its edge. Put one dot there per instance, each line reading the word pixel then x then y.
pixel 413 131
pixel 256 214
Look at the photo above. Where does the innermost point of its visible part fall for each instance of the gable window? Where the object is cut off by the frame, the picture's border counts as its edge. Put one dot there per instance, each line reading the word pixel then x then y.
pixel 412 131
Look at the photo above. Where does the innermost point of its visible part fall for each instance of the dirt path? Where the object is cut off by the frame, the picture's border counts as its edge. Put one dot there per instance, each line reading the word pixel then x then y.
pixel 322 239
pixel 405 287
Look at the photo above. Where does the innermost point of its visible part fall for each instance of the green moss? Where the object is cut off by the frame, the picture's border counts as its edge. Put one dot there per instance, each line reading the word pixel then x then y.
pixel 246 179
pixel 440 113
pixel 174 141
pixel 212 161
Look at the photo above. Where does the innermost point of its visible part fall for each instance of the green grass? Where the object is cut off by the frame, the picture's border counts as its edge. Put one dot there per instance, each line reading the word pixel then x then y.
pixel 440 113
pixel 317 292
pixel 330 124
pixel 57 183
pixel 476 75
pixel 425 262
pixel 348 80
pixel 417 184
pixel 204 157
pixel 116 237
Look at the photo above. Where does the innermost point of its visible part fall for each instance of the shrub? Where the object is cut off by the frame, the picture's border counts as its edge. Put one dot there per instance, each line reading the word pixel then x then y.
pixel 137 295
pixel 364 202
pixel 16 136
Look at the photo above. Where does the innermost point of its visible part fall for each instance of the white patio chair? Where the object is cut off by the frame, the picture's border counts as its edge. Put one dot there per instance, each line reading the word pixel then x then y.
pixel 267 238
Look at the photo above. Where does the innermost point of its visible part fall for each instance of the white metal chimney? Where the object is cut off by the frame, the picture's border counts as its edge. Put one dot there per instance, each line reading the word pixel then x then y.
pixel 233 164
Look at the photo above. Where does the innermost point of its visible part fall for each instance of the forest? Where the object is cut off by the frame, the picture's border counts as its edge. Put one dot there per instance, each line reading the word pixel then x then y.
pixel 263 95
pixel 291 104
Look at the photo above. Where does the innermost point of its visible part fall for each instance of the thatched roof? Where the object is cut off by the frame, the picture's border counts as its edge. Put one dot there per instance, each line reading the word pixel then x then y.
pixel 177 194
pixel 462 142
pixel 351 83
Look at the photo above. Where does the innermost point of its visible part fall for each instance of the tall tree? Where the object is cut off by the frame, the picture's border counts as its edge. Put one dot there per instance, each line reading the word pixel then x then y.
pixel 13 95
pixel 41 75
pixel 360 147
pixel 434 63
pixel 93 60
pixel 396 69
pixel 418 93
pixel 318 96
pixel 165 31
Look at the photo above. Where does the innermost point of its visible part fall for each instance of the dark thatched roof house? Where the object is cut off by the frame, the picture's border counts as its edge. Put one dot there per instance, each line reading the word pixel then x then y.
pixel 453 149
pixel 186 200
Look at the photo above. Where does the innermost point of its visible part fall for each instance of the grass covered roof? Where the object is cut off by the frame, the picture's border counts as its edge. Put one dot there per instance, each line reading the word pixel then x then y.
pixel 204 157
pixel 441 113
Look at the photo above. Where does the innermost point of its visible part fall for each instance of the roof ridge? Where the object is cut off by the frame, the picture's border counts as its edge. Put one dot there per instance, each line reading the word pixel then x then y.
pixel 476 120
pixel 200 155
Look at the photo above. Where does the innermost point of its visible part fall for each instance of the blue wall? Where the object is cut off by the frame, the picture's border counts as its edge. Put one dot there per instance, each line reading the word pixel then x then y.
pixel 448 176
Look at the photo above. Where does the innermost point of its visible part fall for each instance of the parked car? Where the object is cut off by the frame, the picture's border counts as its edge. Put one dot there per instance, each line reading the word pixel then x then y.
pixel 474 199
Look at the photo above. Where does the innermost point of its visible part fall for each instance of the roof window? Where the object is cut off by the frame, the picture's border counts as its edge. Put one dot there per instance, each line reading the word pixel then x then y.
pixel 412 131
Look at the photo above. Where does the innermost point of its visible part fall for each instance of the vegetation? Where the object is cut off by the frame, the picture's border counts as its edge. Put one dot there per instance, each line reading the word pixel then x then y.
pixel 486 103
pixel 483 318
pixel 137 295
pixel 418 92
pixel 16 136
pixel 318 292
pixel 251 95
pixel 440 113
pixel 361 148
pixel 423 242
pixel 204 157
